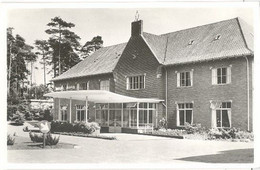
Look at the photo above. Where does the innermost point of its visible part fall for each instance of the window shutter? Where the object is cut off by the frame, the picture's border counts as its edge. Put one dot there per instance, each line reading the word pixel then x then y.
pixel 191 78
pixel 78 86
pixel 178 79
pixel 127 83
pixel 229 75
pixel 214 76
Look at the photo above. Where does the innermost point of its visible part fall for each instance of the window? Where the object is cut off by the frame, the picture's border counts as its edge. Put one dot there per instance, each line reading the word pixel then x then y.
pixel 135 82
pixel 64 87
pixel 221 75
pixel 184 113
pixel 71 87
pixel 80 112
pixel 146 112
pixel 217 37
pixel 84 86
pixel 63 113
pixel 104 85
pixel 222 115
pixel 185 79
pixel 191 42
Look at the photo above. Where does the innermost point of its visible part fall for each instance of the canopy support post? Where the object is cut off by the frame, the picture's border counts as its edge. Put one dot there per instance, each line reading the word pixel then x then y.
pixel 86 116
pixel 122 114
pixel 70 110
pixel 59 116
pixel 137 117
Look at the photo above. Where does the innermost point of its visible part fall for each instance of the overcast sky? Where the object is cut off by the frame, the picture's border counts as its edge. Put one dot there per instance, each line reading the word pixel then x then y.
pixel 114 24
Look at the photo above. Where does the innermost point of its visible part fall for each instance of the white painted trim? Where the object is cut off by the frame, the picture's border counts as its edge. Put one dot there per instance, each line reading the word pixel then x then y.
pixel 59 116
pixel 86 109
pixel 70 109
pixel 137 115
pixel 248 93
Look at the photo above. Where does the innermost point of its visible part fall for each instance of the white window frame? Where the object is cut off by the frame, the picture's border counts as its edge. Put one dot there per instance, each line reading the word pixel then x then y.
pixel 105 85
pixel 131 84
pixel 215 75
pixel 185 109
pixel 81 108
pixel 179 84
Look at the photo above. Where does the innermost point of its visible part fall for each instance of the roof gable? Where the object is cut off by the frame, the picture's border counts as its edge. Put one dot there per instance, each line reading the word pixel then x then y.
pixel 102 61
pixel 174 48
pixel 236 39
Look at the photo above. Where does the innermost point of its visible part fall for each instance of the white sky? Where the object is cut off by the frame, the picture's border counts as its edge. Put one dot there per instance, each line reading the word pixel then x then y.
pixel 114 24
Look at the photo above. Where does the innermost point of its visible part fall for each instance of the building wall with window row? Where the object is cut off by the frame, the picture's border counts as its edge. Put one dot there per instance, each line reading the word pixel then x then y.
pixel 203 91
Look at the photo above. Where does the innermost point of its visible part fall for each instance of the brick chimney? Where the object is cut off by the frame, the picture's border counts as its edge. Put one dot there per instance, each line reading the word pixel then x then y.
pixel 137 28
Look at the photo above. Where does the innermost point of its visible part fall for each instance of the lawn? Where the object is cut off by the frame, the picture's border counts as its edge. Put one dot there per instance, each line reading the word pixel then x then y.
pixel 24 143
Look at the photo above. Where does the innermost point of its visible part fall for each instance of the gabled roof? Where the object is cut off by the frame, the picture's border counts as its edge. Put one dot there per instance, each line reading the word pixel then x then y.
pixel 236 39
pixel 102 61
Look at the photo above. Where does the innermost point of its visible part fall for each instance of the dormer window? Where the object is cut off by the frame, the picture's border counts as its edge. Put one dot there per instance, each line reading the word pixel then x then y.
pixel 217 37
pixel 191 42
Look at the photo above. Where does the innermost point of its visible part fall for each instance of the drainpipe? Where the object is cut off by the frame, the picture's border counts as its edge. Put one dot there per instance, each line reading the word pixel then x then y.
pixel 248 94
pixel 166 94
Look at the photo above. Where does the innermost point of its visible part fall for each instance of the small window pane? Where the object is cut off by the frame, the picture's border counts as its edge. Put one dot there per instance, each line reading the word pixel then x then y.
pixel 219 71
pixel 181 117
pixel 150 116
pixel 189 116
pixel 224 71
pixel 228 104
pixel 225 119
pixel 219 80
pixel 224 79
pixel 218 116
pixel 82 115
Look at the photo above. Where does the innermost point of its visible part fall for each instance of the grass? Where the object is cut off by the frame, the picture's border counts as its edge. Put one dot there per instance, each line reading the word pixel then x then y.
pixel 230 156
pixel 24 143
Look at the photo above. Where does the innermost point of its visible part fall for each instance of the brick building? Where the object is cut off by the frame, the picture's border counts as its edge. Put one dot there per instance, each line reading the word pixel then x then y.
pixel 197 75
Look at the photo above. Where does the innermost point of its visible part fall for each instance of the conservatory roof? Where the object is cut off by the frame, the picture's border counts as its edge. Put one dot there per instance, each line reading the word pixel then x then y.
pixel 100 96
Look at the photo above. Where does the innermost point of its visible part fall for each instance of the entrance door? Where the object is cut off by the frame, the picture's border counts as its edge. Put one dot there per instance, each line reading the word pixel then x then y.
pixel 115 121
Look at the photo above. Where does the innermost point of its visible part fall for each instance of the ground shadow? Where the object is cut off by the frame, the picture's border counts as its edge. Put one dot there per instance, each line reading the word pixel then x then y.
pixel 230 156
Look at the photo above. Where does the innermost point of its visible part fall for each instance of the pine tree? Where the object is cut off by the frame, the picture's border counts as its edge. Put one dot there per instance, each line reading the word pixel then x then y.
pixel 92 46
pixel 64 44
pixel 18 53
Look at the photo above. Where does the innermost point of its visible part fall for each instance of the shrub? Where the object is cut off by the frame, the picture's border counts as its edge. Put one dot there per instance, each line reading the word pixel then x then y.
pixel 169 132
pixel 163 123
pixel 10 140
pixel 11 111
pixel 47 115
pixel 36 137
pixel 229 133
pixel 88 128
pixel 194 128
pixel 50 140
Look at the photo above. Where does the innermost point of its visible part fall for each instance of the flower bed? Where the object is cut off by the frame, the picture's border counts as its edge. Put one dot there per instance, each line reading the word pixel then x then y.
pixel 80 134
pixel 173 133
pixel 195 131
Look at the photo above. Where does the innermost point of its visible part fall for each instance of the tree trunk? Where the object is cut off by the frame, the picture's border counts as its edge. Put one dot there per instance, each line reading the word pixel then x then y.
pixel 44 74
pixel 9 72
pixel 59 49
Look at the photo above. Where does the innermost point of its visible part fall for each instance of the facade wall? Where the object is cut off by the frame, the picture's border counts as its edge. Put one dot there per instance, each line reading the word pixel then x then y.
pixel 94 81
pixel 203 91
pixel 146 64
